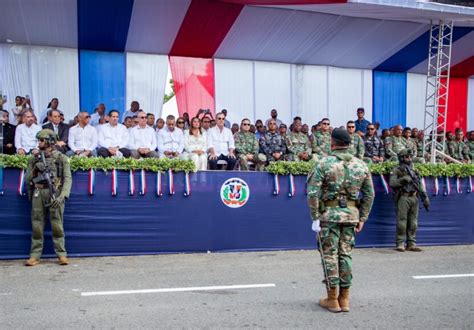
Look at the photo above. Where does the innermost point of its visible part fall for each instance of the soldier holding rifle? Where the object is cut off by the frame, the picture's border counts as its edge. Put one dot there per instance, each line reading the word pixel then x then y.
pixel 49 184
pixel 408 189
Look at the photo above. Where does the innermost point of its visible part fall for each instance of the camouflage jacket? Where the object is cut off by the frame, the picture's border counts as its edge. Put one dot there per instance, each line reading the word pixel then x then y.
pixel 356 148
pixel 336 175
pixel 270 143
pixel 411 144
pixel 470 145
pixel 246 143
pixel 419 147
pixel 373 147
pixel 399 186
pixel 393 145
pixel 321 144
pixel 458 150
pixel 60 172
pixel 297 142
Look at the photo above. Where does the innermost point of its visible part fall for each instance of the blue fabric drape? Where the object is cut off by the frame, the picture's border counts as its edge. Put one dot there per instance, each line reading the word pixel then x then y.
pixel 389 98
pixel 102 80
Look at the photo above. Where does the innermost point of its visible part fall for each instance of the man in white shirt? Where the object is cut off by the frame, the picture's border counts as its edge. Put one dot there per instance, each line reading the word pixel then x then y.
pixel 113 138
pixel 82 137
pixel 25 135
pixel 134 107
pixel 221 144
pixel 142 138
pixel 170 139
pixel 98 115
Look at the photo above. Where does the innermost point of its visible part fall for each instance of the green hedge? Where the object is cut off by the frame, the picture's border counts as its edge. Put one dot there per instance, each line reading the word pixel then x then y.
pixel 282 168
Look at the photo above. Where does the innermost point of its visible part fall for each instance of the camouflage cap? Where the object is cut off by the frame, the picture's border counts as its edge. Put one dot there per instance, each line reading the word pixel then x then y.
pixel 342 135
pixel 48 135
pixel 405 152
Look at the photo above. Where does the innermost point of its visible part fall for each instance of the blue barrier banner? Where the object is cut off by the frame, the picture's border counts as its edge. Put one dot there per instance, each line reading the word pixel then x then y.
pixel 102 224
pixel 389 98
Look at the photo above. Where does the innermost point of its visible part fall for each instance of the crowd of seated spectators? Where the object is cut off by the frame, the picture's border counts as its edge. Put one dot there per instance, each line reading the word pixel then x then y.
pixel 214 143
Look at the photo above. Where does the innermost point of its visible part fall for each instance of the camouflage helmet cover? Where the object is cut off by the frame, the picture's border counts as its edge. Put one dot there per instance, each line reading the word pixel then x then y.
pixel 405 152
pixel 48 135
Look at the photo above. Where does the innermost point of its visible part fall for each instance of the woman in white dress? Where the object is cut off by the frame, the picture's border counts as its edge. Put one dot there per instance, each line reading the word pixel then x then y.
pixel 195 144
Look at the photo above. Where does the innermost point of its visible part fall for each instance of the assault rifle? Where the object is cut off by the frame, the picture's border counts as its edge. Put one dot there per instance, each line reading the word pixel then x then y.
pixel 46 176
pixel 415 179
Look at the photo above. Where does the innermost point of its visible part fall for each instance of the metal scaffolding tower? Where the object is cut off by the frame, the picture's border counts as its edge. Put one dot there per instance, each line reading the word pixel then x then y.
pixel 437 85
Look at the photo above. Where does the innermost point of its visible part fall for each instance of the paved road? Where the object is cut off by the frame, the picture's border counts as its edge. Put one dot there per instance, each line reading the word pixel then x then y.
pixel 385 295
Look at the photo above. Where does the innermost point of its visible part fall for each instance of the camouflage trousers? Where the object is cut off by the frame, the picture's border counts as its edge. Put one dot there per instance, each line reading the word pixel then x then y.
pixel 337 241
pixel 259 162
pixel 407 220
pixel 39 215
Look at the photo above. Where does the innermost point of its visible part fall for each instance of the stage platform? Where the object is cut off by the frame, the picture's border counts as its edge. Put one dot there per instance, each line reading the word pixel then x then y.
pixel 102 224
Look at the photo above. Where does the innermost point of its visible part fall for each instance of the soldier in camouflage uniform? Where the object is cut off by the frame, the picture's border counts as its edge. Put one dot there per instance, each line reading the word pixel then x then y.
pixel 272 145
pixel 458 149
pixel 298 145
pixel 470 145
pixel 40 193
pixel 333 192
pixel 394 144
pixel 321 145
pixel 407 187
pixel 246 147
pixel 357 145
pixel 410 143
pixel 374 150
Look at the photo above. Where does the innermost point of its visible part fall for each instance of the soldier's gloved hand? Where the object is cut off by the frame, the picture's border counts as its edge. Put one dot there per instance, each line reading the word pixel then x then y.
pixel 405 179
pixel 426 204
pixel 315 226
pixel 40 167
pixel 58 201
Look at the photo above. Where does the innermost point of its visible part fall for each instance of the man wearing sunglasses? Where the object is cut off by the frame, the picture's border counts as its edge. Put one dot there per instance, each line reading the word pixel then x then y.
pixel 374 150
pixel 246 147
pixel 143 138
pixel 83 137
pixel 321 145
pixel 357 145
pixel 221 144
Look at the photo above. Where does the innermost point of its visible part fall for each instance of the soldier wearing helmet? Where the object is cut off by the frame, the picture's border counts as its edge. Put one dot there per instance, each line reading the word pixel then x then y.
pixel 406 184
pixel 49 185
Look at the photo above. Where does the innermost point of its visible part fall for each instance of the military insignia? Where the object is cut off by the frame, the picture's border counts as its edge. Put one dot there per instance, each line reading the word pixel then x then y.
pixel 235 193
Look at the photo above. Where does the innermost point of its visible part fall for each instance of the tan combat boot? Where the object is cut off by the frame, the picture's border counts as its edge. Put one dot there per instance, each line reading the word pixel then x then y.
pixel 63 261
pixel 414 248
pixel 331 303
pixel 32 262
pixel 344 299
pixel 400 248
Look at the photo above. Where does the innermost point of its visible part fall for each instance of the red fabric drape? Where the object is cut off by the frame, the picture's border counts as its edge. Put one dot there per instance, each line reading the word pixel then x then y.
pixel 457 104
pixel 193 80
pixel 463 69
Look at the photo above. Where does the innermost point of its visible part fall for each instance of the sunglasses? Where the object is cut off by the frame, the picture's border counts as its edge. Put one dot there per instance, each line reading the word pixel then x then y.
pixel 180 122
pixel 259 126
pixel 220 118
pixel 371 129
pixel 325 123
pixel 351 127
pixel 42 140
pixel 87 116
pixel 141 117
pixel 245 124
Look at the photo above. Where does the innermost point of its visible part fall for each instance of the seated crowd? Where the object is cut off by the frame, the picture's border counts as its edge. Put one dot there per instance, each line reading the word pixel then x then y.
pixel 213 143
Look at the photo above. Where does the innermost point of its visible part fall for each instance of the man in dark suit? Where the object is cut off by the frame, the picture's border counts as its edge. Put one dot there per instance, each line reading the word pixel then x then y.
pixel 7 130
pixel 55 124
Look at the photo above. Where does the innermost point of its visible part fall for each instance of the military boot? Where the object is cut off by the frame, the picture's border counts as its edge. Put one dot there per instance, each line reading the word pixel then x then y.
pixel 32 262
pixel 400 248
pixel 414 248
pixel 331 303
pixel 63 261
pixel 344 299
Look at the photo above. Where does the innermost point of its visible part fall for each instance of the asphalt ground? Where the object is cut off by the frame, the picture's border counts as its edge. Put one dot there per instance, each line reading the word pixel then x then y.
pixel 384 295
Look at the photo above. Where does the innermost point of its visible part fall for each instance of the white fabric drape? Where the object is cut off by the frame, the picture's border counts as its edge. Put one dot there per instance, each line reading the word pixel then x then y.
pixel 146 80
pixel 348 89
pixel 273 86
pixel 416 97
pixel 54 72
pixel 42 73
pixel 470 105
pixel 234 89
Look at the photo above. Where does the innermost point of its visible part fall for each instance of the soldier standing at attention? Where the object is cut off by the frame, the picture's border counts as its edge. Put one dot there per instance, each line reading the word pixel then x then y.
pixel 49 184
pixel 333 191
pixel 408 188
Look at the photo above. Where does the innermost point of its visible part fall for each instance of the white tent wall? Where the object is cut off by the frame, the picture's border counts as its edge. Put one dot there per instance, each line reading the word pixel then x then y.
pixel 416 95
pixel 470 105
pixel 234 89
pixel 273 86
pixel 146 81
pixel 348 89
pixel 42 73
pixel 252 89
